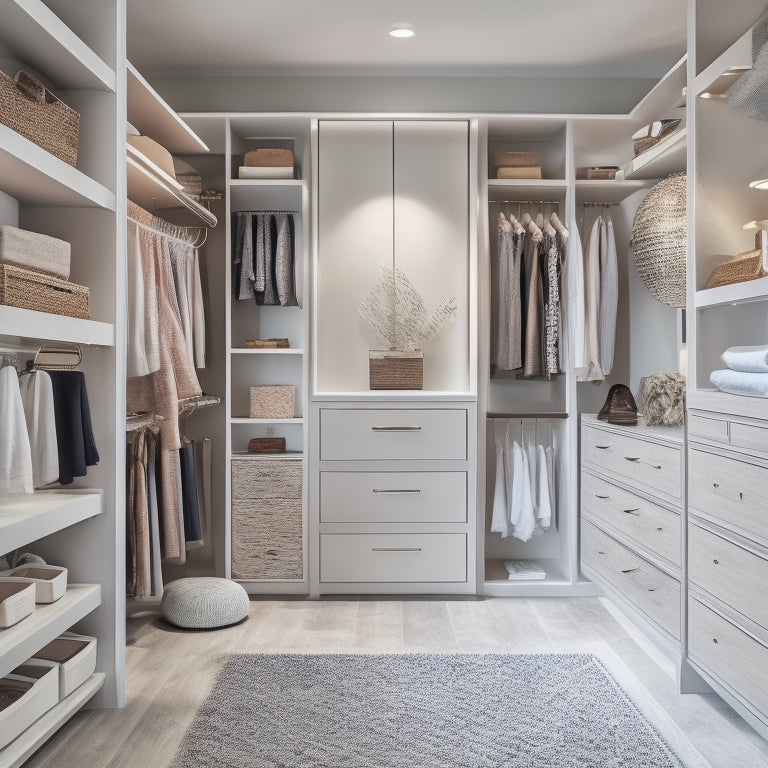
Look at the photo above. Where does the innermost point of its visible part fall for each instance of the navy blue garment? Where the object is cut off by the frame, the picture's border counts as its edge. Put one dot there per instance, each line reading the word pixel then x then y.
pixel 192 529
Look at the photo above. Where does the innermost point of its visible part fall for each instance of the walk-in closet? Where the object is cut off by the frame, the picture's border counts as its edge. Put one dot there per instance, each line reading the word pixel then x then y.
pixel 383 385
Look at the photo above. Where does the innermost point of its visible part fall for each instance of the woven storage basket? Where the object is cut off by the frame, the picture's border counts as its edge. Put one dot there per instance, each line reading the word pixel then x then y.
pixel 29 108
pixel 266 445
pixel 395 370
pixel 515 172
pixel 44 293
pixel 745 266
pixel 659 240
pixel 266 519
pixel 273 402
pixel 31 250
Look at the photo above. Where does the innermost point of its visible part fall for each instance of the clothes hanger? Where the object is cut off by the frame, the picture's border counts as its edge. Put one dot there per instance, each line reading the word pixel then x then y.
pixel 530 225
pixel 558 225
pixel 56 357
pixel 516 226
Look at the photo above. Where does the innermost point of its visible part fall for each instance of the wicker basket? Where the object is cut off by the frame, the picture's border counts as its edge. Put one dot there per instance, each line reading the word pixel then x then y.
pixel 395 370
pixel 660 240
pixel 44 293
pixel 273 402
pixel 745 266
pixel 29 108
pixel 266 445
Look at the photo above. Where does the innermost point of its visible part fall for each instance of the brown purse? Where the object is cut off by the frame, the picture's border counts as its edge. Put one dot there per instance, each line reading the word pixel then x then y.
pixel 619 407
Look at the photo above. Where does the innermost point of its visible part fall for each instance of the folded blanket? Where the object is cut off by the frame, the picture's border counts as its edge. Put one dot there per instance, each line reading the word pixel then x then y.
pixel 747 359
pixel 266 172
pixel 268 156
pixel 740 383
pixel 32 250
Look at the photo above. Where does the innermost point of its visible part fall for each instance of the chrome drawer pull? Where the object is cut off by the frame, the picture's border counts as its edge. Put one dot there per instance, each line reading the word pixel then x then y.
pixel 397 491
pixel 603 447
pixel 598 496
pixel 716 562
pixel 396 429
pixel 715 485
pixel 395 549
pixel 635 512
pixel 630 570
pixel 638 460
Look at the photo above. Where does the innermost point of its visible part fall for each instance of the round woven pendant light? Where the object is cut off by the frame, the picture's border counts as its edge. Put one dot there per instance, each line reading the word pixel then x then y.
pixel 659 240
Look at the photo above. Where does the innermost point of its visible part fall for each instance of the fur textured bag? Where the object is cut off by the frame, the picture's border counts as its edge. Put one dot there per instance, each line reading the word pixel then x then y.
pixel 661 397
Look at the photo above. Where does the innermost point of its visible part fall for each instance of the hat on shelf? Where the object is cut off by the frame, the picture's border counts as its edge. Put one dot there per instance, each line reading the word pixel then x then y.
pixel 155 156
pixel 749 94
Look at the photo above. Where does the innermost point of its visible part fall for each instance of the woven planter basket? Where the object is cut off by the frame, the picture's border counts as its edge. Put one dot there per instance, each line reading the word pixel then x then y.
pixel 29 108
pixel 273 402
pixel 395 370
pixel 44 293
pixel 659 240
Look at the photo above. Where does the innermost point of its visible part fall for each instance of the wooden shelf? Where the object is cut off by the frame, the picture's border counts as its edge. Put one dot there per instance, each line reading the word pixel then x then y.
pixel 29 517
pixel 266 194
pixel 668 156
pixel 36 177
pixel 150 115
pixel 607 191
pixel 712 399
pixel 738 293
pixel 526 189
pixel 497 584
pixel 245 420
pixel 23 747
pixel 247 351
pixel 43 326
pixel 395 395
pixel 726 68
pixel 260 456
pixel 33 33
pixel 22 640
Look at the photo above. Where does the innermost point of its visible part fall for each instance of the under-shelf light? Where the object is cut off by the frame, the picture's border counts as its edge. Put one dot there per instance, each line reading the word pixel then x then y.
pixel 718 88
pixel 402 30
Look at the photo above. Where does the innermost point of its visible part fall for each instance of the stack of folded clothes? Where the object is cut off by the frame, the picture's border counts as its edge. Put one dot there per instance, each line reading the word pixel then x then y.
pixel 516 165
pixel 747 372
pixel 267 163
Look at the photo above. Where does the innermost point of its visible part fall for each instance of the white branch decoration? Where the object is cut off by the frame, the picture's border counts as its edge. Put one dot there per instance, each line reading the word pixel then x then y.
pixel 397 315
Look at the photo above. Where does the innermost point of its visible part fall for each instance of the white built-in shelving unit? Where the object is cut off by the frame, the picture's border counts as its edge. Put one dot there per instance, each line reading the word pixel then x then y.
pixel 82 57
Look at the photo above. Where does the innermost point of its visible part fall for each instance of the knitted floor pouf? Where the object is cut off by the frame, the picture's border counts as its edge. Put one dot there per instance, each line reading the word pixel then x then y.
pixel 204 602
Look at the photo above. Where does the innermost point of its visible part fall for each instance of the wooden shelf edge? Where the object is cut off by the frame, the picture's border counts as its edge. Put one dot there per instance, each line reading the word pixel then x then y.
pixel 738 293
pixel 25 745
pixel 660 160
pixel 44 326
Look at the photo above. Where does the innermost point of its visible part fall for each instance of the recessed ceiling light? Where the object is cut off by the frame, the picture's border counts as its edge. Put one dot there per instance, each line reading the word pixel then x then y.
pixel 402 30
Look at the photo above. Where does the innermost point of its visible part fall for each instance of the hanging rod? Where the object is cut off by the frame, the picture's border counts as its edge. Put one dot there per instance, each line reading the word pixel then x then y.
pixel 597 205
pixel 19 350
pixel 551 415
pixel 525 202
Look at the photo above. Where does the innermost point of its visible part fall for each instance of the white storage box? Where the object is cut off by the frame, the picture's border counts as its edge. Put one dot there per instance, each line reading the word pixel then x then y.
pixel 17 601
pixel 75 656
pixel 46 677
pixel 50 580
pixel 23 699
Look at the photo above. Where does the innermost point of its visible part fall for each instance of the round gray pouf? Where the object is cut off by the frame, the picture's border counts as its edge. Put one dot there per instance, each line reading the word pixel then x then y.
pixel 204 602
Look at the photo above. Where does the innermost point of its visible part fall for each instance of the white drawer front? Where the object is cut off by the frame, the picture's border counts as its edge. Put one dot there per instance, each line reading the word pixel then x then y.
pixel 728 653
pixel 737 577
pixel 393 497
pixel 730 491
pixel 349 434
pixel 383 557
pixel 654 592
pixel 644 464
pixel 749 436
pixel 709 429
pixel 648 524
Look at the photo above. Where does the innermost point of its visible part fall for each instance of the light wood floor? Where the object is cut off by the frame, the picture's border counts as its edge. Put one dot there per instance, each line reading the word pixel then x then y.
pixel 170 672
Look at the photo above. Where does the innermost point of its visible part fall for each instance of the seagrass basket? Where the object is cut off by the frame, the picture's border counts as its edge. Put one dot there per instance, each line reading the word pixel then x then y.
pixel 273 402
pixel 29 108
pixel 42 292
pixel 389 369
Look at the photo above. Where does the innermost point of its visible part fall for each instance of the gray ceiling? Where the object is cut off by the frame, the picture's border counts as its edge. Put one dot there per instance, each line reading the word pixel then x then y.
pixel 571 38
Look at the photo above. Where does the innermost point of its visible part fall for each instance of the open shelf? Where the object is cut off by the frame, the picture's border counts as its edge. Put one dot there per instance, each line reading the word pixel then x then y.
pixel 266 194
pixel 526 189
pixel 36 177
pixel 28 517
pixel 738 293
pixel 260 456
pixel 712 399
pixel 668 156
pixel 248 351
pixel 21 748
pixel 726 68
pixel 150 115
pixel 22 640
pixel 30 324
pixel 606 191
pixel 33 33
pixel 414 395
pixel 245 420
pixel 496 583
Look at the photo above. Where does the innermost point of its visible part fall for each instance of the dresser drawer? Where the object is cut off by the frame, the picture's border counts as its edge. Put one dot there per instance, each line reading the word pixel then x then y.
pixel 708 429
pixel 644 464
pixel 266 479
pixel 383 557
pixel 654 592
pixel 648 524
pixel 729 491
pixel 393 497
pixel 732 656
pixel 749 436
pixel 349 434
pixel 734 575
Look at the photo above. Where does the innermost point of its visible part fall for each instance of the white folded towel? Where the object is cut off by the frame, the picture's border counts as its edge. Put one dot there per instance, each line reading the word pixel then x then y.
pixel 740 383
pixel 747 359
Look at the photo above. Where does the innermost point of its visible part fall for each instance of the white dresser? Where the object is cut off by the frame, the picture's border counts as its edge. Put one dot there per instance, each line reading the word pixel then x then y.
pixel 632 498
pixel 728 559
pixel 393 498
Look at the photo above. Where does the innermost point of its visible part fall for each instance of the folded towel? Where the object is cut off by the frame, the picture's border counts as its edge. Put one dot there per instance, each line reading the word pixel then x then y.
pixel 268 156
pixel 740 383
pixel 32 250
pixel 746 359
pixel 266 172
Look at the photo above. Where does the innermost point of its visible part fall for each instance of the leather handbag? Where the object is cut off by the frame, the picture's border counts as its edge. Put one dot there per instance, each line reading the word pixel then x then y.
pixel 619 406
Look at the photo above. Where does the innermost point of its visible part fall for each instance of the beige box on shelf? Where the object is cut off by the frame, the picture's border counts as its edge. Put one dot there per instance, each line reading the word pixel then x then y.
pixel 75 657
pixel 27 289
pixel 17 601
pixel 25 695
pixel 273 402
pixel 389 369
pixel 50 581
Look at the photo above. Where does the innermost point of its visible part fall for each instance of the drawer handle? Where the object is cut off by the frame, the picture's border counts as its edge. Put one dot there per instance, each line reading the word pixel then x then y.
pixel 598 496
pixel 635 512
pixel 603 447
pixel 638 460
pixel 397 491
pixel 396 429
pixel 714 640
pixel 630 570
pixel 395 549
pixel 716 562
pixel 659 528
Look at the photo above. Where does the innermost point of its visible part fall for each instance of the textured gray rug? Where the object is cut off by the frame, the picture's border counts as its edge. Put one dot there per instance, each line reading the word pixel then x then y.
pixel 421 711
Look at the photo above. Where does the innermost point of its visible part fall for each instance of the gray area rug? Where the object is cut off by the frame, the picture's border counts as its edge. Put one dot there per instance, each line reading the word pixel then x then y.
pixel 421 711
